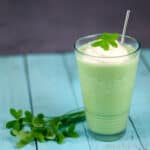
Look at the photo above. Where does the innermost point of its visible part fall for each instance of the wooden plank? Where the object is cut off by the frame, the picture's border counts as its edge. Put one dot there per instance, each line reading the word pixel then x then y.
pixel 52 94
pixel 13 93
pixel 145 55
pixel 129 141
pixel 141 106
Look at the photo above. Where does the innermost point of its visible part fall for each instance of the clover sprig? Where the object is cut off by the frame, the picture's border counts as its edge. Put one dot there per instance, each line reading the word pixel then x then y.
pixel 105 40
pixel 28 127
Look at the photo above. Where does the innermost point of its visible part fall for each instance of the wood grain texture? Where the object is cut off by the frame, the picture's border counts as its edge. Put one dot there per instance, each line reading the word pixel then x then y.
pixel 140 106
pixel 130 141
pixel 13 93
pixel 145 55
pixel 55 89
pixel 52 95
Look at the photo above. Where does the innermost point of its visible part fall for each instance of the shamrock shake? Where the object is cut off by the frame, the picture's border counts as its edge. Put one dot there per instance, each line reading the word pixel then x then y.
pixel 107 72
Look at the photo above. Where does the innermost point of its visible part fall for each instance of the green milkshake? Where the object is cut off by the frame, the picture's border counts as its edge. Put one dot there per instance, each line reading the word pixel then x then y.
pixel 107 80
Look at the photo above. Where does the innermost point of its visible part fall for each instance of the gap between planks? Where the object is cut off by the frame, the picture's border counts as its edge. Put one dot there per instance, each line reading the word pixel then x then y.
pixel 73 92
pixel 145 63
pixel 26 69
pixel 131 121
pixel 136 132
pixel 69 77
pixel 31 84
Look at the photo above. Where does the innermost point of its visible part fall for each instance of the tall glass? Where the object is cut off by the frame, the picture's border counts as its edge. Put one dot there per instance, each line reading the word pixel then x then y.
pixel 107 88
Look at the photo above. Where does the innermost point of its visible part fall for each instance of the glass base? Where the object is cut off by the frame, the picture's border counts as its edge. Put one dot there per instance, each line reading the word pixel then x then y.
pixel 107 138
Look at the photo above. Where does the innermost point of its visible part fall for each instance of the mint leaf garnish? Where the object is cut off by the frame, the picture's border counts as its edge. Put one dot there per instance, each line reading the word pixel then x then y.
pixel 105 40
pixel 27 127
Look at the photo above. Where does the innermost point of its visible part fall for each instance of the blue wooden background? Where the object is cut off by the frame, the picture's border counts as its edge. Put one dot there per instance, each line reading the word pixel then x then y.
pixel 49 83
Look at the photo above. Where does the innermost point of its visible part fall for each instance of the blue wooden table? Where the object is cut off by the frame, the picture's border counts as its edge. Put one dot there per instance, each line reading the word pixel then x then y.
pixel 49 83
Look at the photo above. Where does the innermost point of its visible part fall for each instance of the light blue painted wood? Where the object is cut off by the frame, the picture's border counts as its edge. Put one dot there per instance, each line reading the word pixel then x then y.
pixel 141 103
pixel 52 94
pixel 13 93
pixel 146 57
pixel 129 141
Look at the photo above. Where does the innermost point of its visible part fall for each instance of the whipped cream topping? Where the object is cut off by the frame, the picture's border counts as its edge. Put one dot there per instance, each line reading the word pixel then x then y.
pixel 110 56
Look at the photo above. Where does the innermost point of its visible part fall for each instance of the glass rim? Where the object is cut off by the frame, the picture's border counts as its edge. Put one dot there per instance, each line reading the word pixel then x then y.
pixel 94 35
